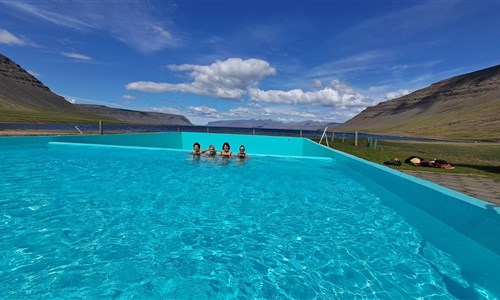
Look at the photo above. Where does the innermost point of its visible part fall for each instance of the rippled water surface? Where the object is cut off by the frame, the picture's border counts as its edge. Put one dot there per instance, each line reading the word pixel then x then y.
pixel 90 222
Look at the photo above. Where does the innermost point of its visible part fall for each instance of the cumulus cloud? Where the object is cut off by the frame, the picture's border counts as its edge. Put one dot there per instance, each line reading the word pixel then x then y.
pixel 168 110
pixel 254 104
pixel 288 114
pixel 335 95
pixel 279 113
pixel 242 112
pixel 199 115
pixel 12 40
pixel 203 111
pixel 284 113
pixel 76 56
pixel 396 94
pixel 229 79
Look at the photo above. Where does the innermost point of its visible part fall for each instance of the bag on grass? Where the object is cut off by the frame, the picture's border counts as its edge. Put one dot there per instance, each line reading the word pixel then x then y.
pixel 393 162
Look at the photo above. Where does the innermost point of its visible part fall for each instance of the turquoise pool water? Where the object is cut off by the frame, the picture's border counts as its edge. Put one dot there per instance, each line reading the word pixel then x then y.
pixel 99 222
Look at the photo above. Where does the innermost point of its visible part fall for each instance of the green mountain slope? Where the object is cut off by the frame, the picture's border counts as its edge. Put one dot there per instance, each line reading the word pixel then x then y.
pixel 465 106
pixel 24 99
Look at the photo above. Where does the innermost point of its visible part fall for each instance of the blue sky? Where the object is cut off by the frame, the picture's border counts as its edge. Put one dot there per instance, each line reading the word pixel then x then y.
pixel 226 60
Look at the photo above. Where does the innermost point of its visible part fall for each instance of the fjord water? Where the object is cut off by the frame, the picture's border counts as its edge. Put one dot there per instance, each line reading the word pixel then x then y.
pixel 97 222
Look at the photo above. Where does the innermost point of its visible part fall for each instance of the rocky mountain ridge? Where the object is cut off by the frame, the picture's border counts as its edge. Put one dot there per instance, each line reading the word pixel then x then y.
pixel 21 91
pixel 464 105
pixel 135 116
pixel 24 98
pixel 9 69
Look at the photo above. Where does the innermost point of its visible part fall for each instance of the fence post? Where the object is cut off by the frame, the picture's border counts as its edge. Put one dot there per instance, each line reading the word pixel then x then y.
pixel 207 129
pixel 253 131
pixel 301 133
pixel 355 138
pixel 343 137
pixel 333 134
pixel 100 127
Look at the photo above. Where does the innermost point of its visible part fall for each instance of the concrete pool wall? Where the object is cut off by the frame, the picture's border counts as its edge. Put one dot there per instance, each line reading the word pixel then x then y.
pixel 255 144
pixel 462 225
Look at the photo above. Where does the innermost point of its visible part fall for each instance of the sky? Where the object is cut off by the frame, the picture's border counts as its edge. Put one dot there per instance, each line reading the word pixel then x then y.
pixel 288 61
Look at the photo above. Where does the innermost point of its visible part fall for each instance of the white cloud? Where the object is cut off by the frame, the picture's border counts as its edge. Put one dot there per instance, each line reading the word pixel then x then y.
pixel 146 37
pixel 317 84
pixel 92 101
pixel 254 104
pixel 358 62
pixel 70 100
pixel 146 33
pixel 203 111
pixel 168 110
pixel 128 97
pixel 198 115
pixel 76 56
pixel 244 112
pixel 52 16
pixel 12 40
pixel 335 95
pixel 396 94
pixel 286 113
pixel 229 79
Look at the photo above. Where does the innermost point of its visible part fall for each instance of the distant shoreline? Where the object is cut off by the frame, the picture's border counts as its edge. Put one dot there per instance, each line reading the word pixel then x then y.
pixel 22 132
pixel 222 130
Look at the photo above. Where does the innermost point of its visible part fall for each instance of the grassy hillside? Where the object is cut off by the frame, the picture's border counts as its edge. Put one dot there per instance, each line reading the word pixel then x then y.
pixel 26 116
pixel 480 122
pixel 25 99
pixel 462 107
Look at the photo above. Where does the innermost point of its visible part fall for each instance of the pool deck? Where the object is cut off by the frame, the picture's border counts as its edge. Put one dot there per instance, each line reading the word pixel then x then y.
pixel 482 188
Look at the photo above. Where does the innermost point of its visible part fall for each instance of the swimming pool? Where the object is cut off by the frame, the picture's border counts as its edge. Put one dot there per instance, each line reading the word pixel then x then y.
pixel 92 222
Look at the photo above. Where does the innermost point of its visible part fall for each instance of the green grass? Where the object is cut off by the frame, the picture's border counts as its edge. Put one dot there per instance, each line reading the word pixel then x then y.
pixel 481 159
pixel 49 117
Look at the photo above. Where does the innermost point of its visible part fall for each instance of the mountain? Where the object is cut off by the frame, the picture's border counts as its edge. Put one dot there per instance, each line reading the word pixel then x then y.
pixel 465 106
pixel 305 125
pixel 134 116
pixel 23 98
pixel 21 93
pixel 246 123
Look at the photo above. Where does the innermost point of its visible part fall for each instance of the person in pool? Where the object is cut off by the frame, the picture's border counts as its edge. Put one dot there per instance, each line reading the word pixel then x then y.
pixel 242 153
pixel 211 151
pixel 196 149
pixel 225 150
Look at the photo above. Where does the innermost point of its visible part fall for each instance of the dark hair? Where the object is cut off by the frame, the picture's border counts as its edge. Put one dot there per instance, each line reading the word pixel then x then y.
pixel 198 144
pixel 242 146
pixel 226 143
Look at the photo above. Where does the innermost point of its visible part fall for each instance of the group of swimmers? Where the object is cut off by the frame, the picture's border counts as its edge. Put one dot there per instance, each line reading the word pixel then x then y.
pixel 225 152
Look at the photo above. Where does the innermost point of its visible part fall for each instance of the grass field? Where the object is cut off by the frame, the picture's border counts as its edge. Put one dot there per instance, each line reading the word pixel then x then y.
pixel 481 159
pixel 49 117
